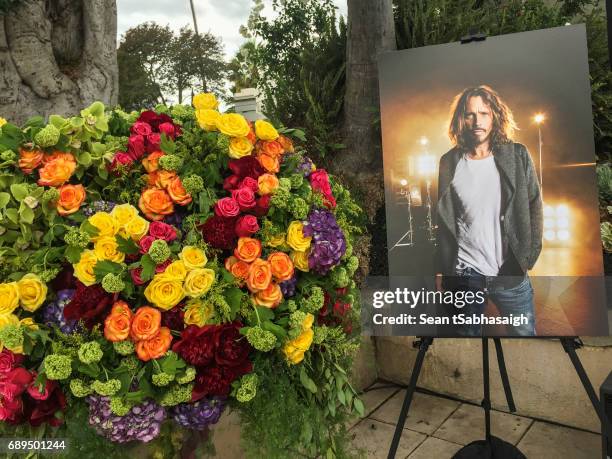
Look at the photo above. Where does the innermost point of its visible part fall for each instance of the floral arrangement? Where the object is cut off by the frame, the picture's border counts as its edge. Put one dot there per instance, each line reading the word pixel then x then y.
pixel 160 266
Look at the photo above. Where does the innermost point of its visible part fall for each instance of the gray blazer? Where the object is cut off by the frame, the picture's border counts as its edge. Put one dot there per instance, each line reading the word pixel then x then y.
pixel 521 210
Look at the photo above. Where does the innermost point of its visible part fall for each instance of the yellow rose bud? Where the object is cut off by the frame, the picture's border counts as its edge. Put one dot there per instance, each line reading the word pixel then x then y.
pixel 207 119
pixel 2 121
pixel 265 131
pixel 164 292
pixel 295 237
pixel 136 228
pixel 205 101
pixel 197 313
pixel 9 297
pixel 239 147
pixel 32 292
pixel 300 260
pixel 105 223
pixel 307 322
pixel 107 249
pixel 193 257
pixel 123 213
pixel 84 269
pixel 233 124
pixel 28 322
pixel 176 270
pixel 198 282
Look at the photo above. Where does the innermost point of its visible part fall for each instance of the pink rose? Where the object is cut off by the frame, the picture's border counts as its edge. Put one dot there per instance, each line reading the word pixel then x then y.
pixel 161 230
pixel 251 183
pixel 8 360
pixel 36 394
pixel 145 244
pixel 153 142
pixel 319 180
pixel 246 226
pixel 141 128
pixel 121 158
pixel 135 274
pixel 136 146
pixel 168 129
pixel 160 268
pixel 227 207
pixel 245 197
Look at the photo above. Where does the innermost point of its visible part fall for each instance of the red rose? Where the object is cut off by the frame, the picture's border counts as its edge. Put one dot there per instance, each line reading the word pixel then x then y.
pixel 247 166
pixel 245 197
pixel 141 128
pixel 197 345
pixel 231 350
pixel 160 268
pixel 9 360
pixel 11 409
pixel 262 206
pixel 246 226
pixel 153 142
pixel 121 158
pixel 319 180
pixel 251 183
pixel 168 129
pixel 40 411
pixel 90 304
pixel 160 230
pixel 227 207
pixel 340 308
pixel 219 232
pixel 135 275
pixel 15 382
pixel 145 244
pixel 35 392
pixel 154 119
pixel 232 182
pixel 136 146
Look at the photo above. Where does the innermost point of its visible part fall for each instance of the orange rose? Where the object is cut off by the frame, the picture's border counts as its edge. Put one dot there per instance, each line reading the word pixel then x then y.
pixel 70 199
pixel 57 169
pixel 286 143
pixel 151 162
pixel 229 262
pixel 248 249
pixel 251 135
pixel 29 160
pixel 238 268
pixel 270 297
pixel 155 203
pixel 270 148
pixel 266 184
pixel 117 324
pixel 155 347
pixel 260 275
pixel 282 266
pixel 177 192
pixel 145 324
pixel 269 163
pixel 164 178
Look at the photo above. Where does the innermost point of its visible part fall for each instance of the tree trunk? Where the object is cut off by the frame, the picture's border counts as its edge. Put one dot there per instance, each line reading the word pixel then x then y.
pixel 57 56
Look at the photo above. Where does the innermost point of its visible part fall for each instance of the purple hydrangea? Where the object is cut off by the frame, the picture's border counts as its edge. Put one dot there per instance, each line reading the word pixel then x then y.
pixel 306 166
pixel 53 312
pixel 199 415
pixel 142 422
pixel 98 206
pixel 328 242
pixel 288 287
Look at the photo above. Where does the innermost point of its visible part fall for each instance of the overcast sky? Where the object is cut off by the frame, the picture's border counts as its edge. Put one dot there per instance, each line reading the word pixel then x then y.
pixel 222 18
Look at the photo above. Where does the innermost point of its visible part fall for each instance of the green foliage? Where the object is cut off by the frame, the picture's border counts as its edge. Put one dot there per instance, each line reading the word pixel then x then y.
pixel 6 5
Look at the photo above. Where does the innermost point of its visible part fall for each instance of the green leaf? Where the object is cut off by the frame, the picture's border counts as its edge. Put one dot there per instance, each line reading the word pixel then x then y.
pixel 5 198
pixel 148 267
pixel 127 246
pixel 167 145
pixel 358 404
pixel 90 369
pixel 233 296
pixel 204 202
pixel 307 382
pixel 341 397
pixel 57 121
pixel 12 215
pixel 278 331
pixel 89 228
pixel 19 191
pixel 331 406
pixel 73 254
pixel 84 158
pixel 264 314
pixel 26 214
pixel 96 109
pixel 104 267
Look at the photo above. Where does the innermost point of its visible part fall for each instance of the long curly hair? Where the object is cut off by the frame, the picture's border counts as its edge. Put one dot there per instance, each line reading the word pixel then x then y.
pixel 503 120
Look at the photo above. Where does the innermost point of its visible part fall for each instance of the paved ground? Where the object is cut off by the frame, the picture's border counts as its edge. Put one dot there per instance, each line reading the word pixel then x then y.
pixel 437 427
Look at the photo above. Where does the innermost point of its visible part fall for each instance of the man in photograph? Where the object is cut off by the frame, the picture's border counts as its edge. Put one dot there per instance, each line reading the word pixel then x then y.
pixel 489 212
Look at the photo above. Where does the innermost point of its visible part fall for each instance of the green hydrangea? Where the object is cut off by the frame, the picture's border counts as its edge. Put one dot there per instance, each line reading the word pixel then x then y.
pixel 177 393
pixel 319 334
pixel 193 184
pixel 90 352
pixel 112 283
pixel 296 180
pixel 314 302
pixel 8 155
pixel 119 407
pixel 161 108
pixel 131 363
pixel 296 319
pixel 182 111
pixel 159 251
pixel 11 336
pixel 50 195
pixel 106 388
pixel 349 251
pixel 47 136
pixel 79 388
pixel 48 274
pixel 284 184
pixel 57 367
pixel 291 305
pixel 123 347
pixel 261 339
pixel 223 142
pixel 248 388
pixel 340 277
pixel 170 162
pixel 299 208
pixel 189 376
pixel 162 379
pixel 281 198
pixel 352 265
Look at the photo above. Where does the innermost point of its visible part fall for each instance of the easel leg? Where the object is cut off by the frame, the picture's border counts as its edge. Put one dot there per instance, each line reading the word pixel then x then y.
pixel 423 344
pixel 486 401
pixel 501 363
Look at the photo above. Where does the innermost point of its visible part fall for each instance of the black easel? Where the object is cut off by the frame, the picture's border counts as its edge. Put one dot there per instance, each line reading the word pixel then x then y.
pixel 492 446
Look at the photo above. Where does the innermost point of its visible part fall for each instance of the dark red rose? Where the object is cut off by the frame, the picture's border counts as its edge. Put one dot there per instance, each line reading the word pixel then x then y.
pixel 246 226
pixel 160 230
pixel 251 183
pixel 168 129
pixel 197 345
pixel 9 360
pixel 173 318
pixel 90 304
pixel 247 166
pixel 154 119
pixel 153 142
pixel 245 197
pixel 145 243
pixel 227 207
pixel 40 411
pixel 219 232
pixel 262 205
pixel 121 158
pixel 217 380
pixel 141 128
pixel 231 183
pixel 135 275
pixel 65 279
pixel 136 146
pixel 231 349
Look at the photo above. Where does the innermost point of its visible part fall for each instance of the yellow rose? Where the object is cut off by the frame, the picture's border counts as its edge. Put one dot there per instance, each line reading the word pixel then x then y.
pixel 193 257
pixel 84 269
pixel 307 322
pixel 294 350
pixel 198 282
pixel 28 322
pixel 233 124
pixel 2 121
pixel 239 147
pixel 107 249
pixel 176 270
pixel 276 241
pixel 300 260
pixel 265 130
pixel 136 228
pixel 207 119
pixel 197 313
pixel 164 292
pixel 123 213
pixel 105 223
pixel 295 237
pixel 9 297
pixel 205 101
pixel 32 292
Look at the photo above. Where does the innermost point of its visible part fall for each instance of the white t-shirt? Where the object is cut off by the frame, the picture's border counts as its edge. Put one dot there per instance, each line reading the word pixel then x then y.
pixel 477 188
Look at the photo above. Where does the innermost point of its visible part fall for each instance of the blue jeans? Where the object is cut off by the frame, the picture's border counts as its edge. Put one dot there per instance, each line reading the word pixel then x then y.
pixel 516 300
